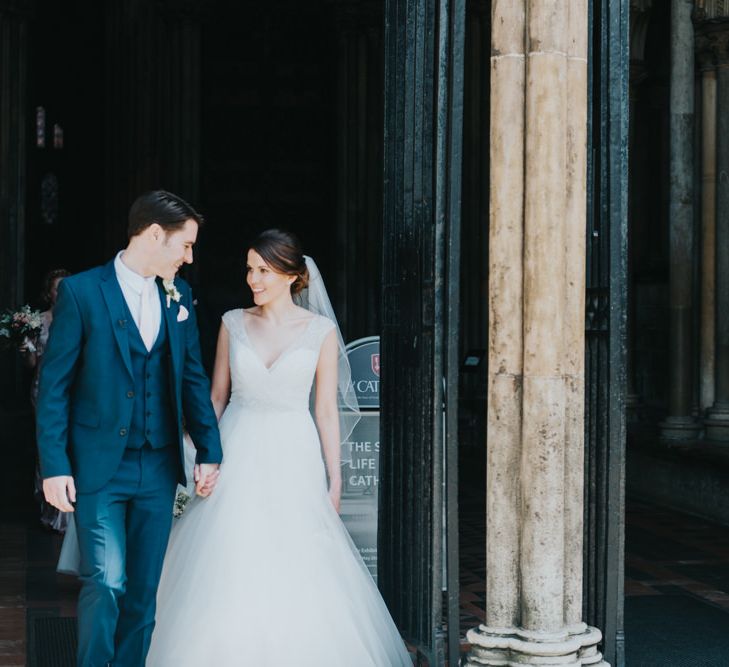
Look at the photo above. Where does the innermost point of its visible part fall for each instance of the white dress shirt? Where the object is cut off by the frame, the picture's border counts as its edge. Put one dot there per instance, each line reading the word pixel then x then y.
pixel 133 286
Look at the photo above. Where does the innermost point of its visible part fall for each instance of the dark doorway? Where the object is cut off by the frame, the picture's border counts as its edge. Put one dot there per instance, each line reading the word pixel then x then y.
pixel 276 123
pixel 66 127
pixel 268 134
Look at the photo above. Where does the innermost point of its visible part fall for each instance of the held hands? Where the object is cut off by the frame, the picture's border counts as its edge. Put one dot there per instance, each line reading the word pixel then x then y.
pixel 206 477
pixel 60 492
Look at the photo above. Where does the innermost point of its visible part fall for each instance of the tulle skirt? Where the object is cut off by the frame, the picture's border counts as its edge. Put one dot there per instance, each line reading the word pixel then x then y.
pixel 263 572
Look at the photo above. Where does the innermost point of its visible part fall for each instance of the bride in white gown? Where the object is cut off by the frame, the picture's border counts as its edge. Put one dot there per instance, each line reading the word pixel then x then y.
pixel 263 572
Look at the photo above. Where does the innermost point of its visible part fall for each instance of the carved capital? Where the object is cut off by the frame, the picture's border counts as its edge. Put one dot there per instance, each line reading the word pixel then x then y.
pixel 712 43
pixel 722 51
pixel 707 10
pixel 705 53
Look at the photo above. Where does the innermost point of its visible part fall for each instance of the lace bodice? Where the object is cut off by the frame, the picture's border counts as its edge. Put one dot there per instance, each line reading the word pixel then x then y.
pixel 286 384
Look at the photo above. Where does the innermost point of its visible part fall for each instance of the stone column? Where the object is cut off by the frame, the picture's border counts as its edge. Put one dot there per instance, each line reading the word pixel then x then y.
pixel 575 245
pixel 707 65
pixel 680 424
pixel 536 339
pixel 717 420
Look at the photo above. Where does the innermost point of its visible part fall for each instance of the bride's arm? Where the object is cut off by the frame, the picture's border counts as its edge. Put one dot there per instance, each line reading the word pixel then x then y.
pixel 327 415
pixel 220 389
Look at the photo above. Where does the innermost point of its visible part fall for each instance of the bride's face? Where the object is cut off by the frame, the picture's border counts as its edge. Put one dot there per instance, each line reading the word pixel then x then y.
pixel 265 283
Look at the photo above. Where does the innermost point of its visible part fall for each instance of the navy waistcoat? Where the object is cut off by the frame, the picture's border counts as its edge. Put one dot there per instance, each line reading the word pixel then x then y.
pixel 153 419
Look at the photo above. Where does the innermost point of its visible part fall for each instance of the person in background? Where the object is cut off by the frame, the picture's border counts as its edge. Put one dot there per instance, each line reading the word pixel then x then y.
pixel 32 355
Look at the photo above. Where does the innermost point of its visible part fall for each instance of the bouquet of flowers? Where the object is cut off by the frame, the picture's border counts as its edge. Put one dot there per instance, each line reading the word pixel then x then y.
pixel 185 493
pixel 181 500
pixel 20 327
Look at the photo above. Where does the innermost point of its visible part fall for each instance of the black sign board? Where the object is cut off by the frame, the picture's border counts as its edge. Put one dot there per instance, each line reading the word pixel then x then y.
pixel 360 474
pixel 364 358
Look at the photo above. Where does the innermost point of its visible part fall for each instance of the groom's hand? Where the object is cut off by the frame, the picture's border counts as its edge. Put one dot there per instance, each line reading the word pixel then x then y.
pixel 60 492
pixel 206 476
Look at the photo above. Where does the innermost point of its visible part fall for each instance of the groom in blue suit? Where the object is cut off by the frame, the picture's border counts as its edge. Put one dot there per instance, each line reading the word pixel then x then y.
pixel 121 370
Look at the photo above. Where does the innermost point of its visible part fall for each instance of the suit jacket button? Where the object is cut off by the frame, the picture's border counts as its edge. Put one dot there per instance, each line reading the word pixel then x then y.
pixel 122 432
pixel 130 394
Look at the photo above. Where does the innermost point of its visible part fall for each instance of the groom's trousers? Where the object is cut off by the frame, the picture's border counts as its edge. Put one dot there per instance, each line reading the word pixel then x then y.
pixel 123 530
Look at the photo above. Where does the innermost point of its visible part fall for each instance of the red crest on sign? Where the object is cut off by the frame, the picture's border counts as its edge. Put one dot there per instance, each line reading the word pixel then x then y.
pixel 376 364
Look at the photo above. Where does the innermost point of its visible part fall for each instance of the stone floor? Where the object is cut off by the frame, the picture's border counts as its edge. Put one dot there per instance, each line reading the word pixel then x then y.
pixel 668 554
pixel 677 589
pixel 29 583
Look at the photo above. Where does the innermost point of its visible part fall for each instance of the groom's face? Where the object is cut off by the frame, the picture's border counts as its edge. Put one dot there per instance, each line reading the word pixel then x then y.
pixel 173 249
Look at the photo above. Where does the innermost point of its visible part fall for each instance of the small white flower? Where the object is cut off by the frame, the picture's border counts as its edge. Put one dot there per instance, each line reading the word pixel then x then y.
pixel 173 294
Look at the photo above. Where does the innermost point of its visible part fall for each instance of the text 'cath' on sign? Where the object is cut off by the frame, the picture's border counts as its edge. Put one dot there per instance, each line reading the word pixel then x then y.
pixel 364 358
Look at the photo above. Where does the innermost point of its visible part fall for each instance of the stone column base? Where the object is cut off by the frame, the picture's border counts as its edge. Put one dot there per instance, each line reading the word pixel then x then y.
pixel 515 647
pixel 680 428
pixel 716 424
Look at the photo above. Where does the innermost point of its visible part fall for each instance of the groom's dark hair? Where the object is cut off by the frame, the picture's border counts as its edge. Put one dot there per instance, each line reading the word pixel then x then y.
pixel 169 211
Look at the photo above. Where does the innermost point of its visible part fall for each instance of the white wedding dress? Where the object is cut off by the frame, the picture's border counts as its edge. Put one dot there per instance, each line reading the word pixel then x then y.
pixel 263 572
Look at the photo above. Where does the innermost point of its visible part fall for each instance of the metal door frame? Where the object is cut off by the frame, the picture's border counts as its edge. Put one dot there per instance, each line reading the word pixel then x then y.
pixel 424 45
pixel 606 320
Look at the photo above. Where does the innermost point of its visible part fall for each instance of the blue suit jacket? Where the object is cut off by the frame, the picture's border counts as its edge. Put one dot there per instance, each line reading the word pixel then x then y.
pixel 84 407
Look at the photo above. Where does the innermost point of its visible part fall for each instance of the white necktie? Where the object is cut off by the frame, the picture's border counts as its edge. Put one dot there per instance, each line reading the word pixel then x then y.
pixel 146 318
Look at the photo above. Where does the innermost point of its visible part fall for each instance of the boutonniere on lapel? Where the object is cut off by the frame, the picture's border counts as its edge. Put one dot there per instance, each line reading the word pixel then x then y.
pixel 173 294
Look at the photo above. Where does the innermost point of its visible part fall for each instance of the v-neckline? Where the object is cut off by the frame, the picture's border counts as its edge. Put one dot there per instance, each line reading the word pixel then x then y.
pixel 283 352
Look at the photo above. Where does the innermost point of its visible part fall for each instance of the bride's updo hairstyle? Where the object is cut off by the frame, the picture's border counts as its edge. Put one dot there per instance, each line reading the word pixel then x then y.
pixel 282 252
